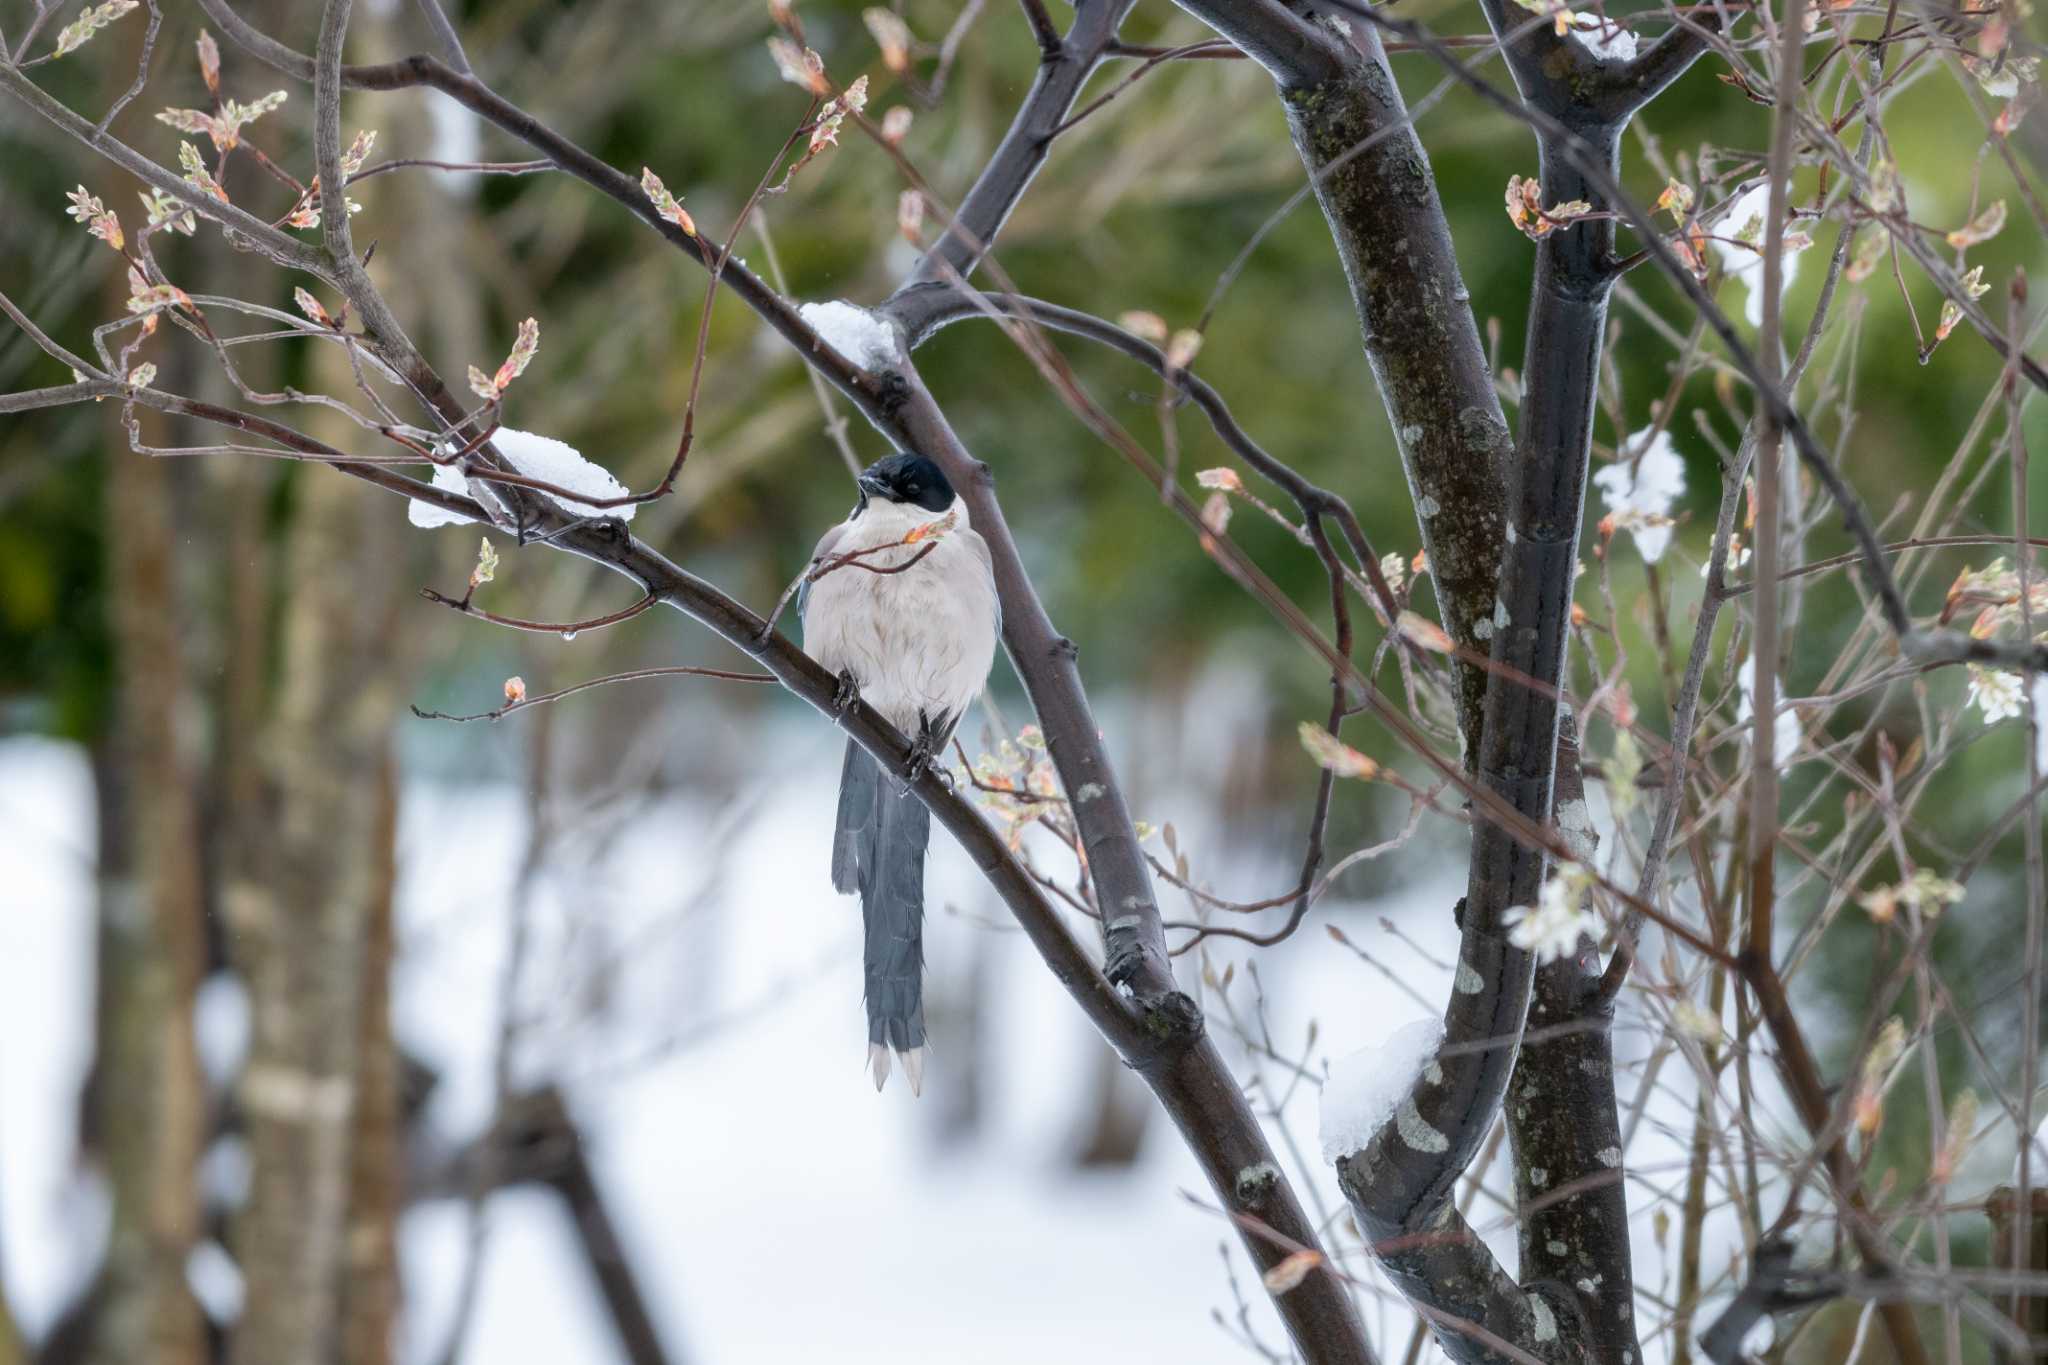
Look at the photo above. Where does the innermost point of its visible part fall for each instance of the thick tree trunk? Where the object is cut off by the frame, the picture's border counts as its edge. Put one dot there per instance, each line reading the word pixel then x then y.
pixel 312 904
pixel 302 908
pixel 1563 1121
pixel 370 1287
pixel 1379 197
pixel 146 1109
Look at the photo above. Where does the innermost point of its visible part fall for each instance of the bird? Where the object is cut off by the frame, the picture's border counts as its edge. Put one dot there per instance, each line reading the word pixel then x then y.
pixel 899 603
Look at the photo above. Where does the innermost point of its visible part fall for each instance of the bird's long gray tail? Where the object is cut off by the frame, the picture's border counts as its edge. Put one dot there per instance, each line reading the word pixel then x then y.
pixel 878 850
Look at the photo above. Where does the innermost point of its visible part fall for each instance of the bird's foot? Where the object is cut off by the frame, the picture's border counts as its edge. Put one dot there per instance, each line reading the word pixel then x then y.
pixel 923 750
pixel 846 694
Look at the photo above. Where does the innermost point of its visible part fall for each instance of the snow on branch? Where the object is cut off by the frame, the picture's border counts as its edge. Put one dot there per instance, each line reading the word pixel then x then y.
pixel 536 457
pixel 1365 1088
pixel 867 339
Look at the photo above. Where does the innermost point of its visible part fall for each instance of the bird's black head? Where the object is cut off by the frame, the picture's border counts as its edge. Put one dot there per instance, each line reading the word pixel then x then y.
pixel 907 478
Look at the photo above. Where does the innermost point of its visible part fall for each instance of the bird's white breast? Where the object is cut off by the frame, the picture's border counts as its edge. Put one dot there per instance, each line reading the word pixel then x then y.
pixel 918 641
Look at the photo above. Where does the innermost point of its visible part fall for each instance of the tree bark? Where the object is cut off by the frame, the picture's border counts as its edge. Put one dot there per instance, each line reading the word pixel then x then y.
pixel 146 1107
pixel 1373 181
pixel 1565 1129
pixel 302 912
pixel 370 1285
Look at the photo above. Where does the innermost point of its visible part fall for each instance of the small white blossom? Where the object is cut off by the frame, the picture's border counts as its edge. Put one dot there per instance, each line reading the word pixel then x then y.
pixel 1552 927
pixel 1640 489
pixel 1996 692
pixel 1925 891
pixel 1736 238
pixel 1738 558
pixel 1695 1022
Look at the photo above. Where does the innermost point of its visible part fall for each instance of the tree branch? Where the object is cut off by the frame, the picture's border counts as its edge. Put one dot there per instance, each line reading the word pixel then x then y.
pixel 472 94
pixel 1065 69
pixel 1944 646
pixel 1296 51
pixel 243 230
pixel 925 311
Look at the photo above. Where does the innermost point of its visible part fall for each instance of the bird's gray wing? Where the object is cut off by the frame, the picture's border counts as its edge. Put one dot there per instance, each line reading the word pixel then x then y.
pixel 826 544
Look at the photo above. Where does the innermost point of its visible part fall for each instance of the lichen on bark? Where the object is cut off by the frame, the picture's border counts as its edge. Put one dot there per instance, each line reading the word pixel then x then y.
pixel 1373 182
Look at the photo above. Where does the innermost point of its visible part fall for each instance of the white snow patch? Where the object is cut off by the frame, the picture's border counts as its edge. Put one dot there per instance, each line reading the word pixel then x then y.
pixel 1608 42
pixel 729 1000
pixel 1365 1088
pixel 2041 723
pixel 425 515
pixel 53 1209
pixel 1640 489
pixel 225 1172
pixel 216 1281
pixel 220 1023
pixel 537 457
pixel 1759 1338
pixel 458 137
pixel 544 458
pixel 1730 236
pixel 2037 1169
pixel 1785 727
pixel 865 338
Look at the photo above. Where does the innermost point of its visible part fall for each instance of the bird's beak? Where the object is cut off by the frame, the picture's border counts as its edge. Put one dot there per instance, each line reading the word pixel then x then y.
pixel 872 486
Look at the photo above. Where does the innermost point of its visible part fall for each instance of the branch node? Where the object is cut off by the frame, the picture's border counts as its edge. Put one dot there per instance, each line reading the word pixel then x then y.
pixel 1172 1023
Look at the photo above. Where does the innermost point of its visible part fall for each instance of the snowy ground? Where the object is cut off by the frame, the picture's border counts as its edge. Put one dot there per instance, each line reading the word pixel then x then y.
pixel 702 1012
pixel 780 1209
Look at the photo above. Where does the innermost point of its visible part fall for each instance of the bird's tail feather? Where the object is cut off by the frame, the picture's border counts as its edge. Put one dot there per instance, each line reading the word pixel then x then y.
pixel 860 810
pixel 878 850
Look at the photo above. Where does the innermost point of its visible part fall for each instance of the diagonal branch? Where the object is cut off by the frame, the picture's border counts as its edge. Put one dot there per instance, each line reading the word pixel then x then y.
pixel 472 94
pixel 1066 66
pixel 1372 179
pixel 924 312
pixel 243 229
pixel 1296 51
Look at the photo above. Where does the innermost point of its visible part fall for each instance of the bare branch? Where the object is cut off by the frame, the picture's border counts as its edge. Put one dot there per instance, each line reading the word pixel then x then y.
pixel 631 675
pixel 243 230
pixel 1297 52
pixel 1065 69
